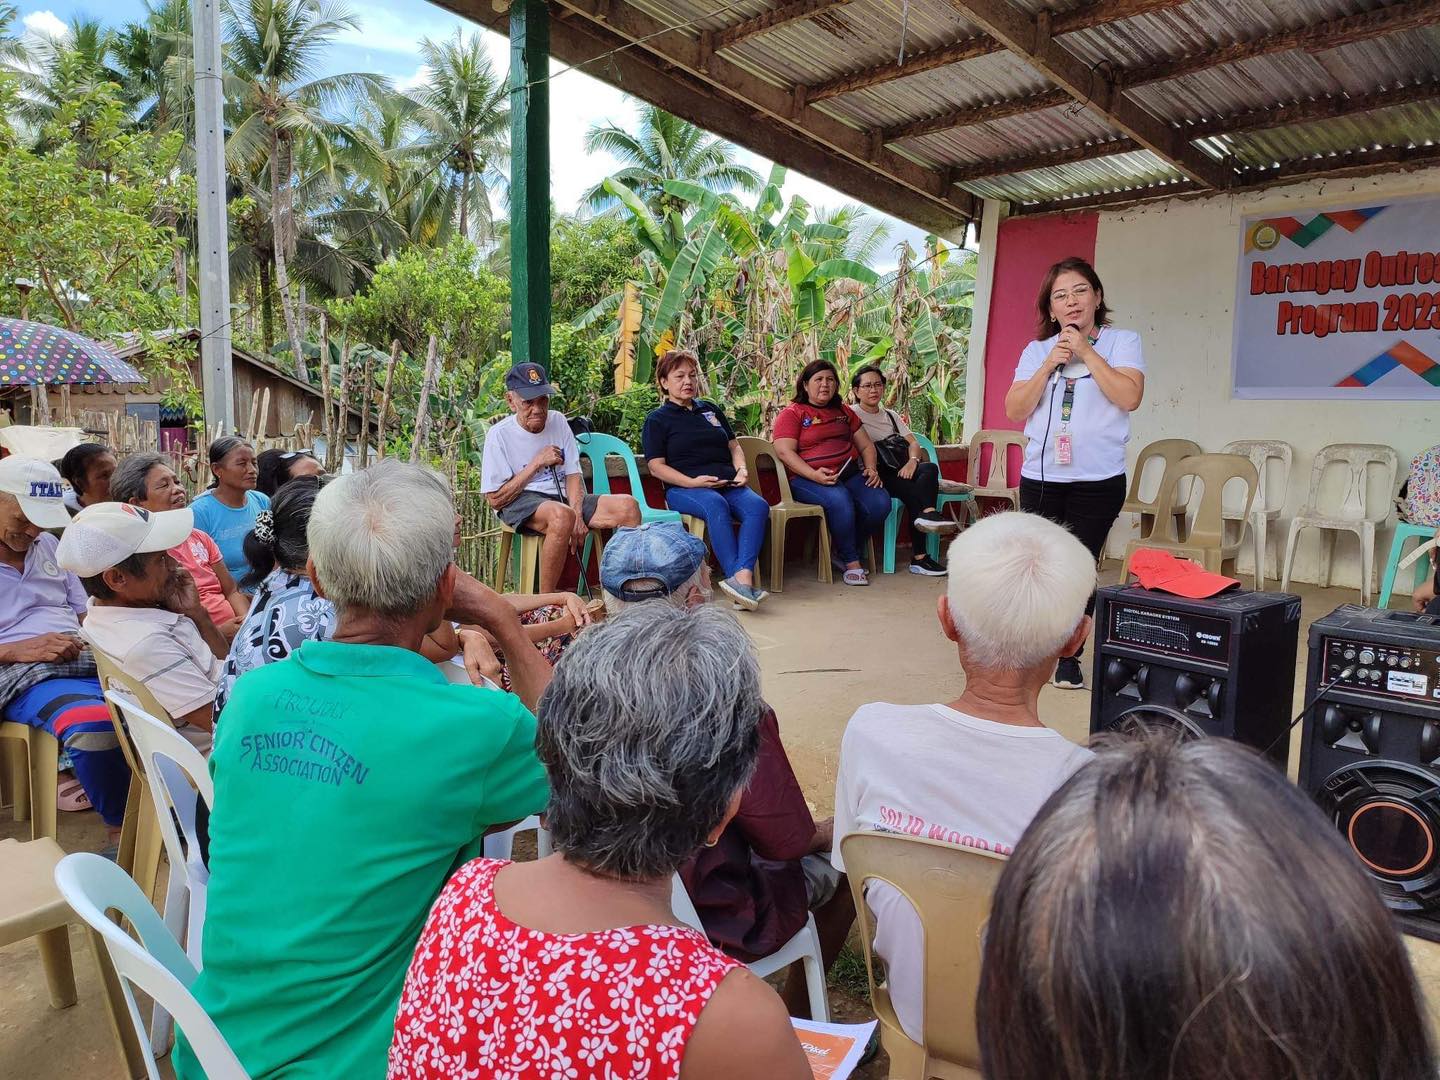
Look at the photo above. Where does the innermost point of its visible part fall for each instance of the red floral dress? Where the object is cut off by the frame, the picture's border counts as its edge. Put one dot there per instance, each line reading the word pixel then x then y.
pixel 486 999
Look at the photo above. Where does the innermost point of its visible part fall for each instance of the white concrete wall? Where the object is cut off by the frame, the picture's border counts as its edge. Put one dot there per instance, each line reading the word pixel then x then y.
pixel 1169 272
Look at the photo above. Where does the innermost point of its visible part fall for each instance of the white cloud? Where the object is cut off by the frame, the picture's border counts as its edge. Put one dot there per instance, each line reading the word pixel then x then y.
pixel 383 28
pixel 415 81
pixel 46 24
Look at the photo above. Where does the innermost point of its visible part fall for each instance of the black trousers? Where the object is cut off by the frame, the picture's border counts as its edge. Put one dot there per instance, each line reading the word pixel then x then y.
pixel 1088 508
pixel 917 493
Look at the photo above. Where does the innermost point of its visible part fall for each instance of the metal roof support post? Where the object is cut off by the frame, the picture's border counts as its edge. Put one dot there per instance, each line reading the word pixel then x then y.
pixel 530 182
pixel 213 251
pixel 992 214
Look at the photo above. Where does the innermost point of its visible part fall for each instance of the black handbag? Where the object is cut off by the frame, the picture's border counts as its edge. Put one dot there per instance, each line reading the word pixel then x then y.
pixel 893 450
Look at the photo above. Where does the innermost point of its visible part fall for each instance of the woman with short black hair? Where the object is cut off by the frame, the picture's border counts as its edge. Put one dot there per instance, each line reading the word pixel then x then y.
pixel 914 480
pixel 275 468
pixel 87 468
pixel 227 509
pixel 1075 387
pixel 831 462
pixel 1181 910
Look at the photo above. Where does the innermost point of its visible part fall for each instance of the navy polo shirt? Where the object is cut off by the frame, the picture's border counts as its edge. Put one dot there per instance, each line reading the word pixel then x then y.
pixel 694 441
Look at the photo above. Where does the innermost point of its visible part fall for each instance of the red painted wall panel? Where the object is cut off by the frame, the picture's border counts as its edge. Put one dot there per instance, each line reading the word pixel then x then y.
pixel 1026 248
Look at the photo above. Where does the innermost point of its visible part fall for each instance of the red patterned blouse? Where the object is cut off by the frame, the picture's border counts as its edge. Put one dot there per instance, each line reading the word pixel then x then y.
pixel 487 998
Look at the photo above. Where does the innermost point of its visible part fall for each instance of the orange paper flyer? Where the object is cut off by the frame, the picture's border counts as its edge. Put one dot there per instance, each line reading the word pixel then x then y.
pixel 833 1049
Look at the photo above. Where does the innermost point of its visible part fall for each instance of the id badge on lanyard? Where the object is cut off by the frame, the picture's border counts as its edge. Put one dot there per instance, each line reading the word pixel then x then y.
pixel 1064 444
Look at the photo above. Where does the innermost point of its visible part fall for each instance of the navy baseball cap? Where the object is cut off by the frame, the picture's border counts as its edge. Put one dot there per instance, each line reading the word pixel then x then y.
pixel 529 381
pixel 650 561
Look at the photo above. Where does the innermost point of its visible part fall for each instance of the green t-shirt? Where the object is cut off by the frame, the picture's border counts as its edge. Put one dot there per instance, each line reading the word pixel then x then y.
pixel 350 780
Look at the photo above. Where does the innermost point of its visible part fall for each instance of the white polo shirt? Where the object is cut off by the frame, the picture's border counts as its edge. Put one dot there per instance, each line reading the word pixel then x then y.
pixel 509 448
pixel 162 650
pixel 1099 429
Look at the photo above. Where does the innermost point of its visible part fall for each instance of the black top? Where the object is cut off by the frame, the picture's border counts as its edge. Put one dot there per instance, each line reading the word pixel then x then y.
pixel 694 441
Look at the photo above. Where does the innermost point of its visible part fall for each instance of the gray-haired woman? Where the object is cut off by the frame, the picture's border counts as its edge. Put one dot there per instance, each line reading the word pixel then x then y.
pixel 575 965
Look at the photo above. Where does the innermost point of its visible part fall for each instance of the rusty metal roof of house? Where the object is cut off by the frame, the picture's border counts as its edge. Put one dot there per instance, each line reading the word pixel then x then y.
pixel 924 107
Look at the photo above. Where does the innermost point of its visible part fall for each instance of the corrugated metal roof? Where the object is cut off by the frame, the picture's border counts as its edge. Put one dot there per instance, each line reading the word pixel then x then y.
pixel 865 34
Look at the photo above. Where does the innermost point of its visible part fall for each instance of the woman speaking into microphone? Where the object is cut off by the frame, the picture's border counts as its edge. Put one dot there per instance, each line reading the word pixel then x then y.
pixel 1075 388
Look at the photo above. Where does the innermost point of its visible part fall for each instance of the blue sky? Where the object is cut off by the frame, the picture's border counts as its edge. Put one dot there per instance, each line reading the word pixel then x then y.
pixel 388 43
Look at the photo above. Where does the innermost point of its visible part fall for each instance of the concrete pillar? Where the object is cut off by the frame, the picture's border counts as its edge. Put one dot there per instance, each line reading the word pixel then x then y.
pixel 993 213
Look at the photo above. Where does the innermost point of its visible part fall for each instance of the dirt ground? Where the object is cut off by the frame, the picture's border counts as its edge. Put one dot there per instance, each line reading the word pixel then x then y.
pixel 824 651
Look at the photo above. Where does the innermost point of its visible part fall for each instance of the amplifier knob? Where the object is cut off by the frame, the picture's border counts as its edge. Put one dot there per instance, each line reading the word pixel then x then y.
pixel 1117 675
pixel 1429 741
pixel 1371 732
pixel 1142 681
pixel 1333 724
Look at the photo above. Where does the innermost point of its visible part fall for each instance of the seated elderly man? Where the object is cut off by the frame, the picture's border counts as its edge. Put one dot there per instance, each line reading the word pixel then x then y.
pixel 530 473
pixel 145 612
pixel 972 772
pixel 350 779
pixel 47 676
pixel 769 868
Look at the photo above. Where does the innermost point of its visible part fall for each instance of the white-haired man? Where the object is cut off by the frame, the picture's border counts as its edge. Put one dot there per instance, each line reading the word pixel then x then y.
pixel 530 474
pixel 350 779
pixel 972 772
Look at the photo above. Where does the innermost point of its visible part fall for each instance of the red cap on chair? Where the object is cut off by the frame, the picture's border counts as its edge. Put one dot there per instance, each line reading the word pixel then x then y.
pixel 1162 570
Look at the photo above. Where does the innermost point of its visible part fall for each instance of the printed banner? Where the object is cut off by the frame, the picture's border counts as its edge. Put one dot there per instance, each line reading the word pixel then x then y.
pixel 1340 304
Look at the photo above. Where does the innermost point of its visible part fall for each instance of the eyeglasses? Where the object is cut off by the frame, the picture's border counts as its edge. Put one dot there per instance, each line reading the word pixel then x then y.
pixel 1079 292
pixel 873 384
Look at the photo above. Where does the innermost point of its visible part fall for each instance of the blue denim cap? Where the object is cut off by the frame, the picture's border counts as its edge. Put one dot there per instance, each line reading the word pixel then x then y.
pixel 656 558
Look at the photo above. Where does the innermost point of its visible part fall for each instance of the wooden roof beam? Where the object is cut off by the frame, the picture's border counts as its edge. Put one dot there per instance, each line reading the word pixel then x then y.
pixel 1097 13
pixel 773 19
pixel 1029 37
pixel 778 106
pixel 1331 34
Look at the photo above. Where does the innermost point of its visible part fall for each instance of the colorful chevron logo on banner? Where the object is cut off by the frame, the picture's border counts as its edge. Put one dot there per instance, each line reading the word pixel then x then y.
pixel 1401 354
pixel 1266 233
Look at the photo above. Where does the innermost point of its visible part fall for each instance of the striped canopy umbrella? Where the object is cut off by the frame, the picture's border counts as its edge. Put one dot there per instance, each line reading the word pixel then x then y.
pixel 32 352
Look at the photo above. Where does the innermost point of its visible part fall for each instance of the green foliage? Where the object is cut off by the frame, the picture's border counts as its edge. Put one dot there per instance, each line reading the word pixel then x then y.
pixel 623 415
pixel 449 293
pixel 589 260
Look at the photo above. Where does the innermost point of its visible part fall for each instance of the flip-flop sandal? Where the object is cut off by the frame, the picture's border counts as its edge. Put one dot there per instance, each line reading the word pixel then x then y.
pixel 70 796
pixel 856 577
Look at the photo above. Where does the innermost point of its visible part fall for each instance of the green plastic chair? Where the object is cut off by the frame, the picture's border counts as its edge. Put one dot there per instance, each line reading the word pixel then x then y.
pixel 597 448
pixel 1404 530
pixel 932 543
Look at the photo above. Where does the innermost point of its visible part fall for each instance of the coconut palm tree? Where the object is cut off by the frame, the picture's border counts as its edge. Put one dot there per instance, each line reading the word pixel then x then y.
pixel 154 58
pixel 275 47
pixel 665 148
pixel 465 111
pixel 14 56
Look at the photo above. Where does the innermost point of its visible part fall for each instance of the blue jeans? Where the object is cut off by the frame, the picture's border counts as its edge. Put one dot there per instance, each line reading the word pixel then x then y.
pixel 720 509
pixel 852 510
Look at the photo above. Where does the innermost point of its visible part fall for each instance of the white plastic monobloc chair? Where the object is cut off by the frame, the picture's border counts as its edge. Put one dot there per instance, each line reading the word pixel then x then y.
pixel 1270 493
pixel 804 946
pixel 500 845
pixel 177 778
pixel 93 886
pixel 1358 511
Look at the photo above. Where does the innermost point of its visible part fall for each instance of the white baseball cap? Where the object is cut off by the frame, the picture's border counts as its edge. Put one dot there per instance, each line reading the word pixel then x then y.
pixel 37 488
pixel 102 535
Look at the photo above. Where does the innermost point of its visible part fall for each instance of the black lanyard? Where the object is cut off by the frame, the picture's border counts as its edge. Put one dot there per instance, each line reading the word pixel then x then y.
pixel 1067 402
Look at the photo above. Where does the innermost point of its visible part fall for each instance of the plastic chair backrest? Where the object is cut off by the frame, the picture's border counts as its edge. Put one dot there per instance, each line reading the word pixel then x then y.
pixel 997 475
pixel 1422 489
pixel 928 447
pixel 93 886
pixel 1167 451
pixel 682 905
pixel 950 889
pixel 596 448
pixel 1214 472
pixel 113 676
pixel 1261 453
pixel 176 771
pixel 1354 503
pixel 756 448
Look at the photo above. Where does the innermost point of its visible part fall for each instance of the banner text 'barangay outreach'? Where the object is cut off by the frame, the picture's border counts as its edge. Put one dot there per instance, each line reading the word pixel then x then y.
pixel 1413 310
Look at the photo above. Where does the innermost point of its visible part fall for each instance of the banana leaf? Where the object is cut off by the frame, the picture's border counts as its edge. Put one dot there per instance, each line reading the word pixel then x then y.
pixel 833 269
pixel 652 234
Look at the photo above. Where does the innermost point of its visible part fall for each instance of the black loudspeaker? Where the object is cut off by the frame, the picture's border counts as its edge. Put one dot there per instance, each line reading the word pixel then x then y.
pixel 1223 666
pixel 1370 749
